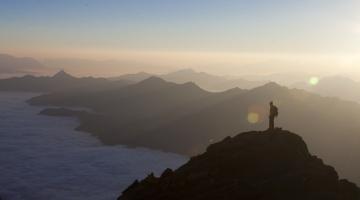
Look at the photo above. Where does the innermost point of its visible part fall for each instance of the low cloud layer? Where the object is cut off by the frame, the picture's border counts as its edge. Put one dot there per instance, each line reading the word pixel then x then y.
pixel 43 158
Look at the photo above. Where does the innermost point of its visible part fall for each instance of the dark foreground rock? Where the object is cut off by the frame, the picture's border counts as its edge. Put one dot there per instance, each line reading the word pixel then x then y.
pixel 270 165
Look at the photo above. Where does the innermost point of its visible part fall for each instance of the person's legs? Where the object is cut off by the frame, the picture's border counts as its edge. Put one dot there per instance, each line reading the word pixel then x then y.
pixel 271 123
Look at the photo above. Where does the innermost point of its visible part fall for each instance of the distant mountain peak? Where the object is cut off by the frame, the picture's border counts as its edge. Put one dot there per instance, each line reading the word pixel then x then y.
pixel 62 74
pixel 153 80
pixel 192 85
pixel 14 66
pixel 338 79
pixel 142 73
pixel 270 89
pixel 270 86
pixel 184 71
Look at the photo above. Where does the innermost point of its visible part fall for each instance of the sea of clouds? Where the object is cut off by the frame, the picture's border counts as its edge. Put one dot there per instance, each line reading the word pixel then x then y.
pixel 43 158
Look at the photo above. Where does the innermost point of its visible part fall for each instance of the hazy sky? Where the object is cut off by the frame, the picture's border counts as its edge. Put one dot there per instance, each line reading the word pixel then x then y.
pixel 221 36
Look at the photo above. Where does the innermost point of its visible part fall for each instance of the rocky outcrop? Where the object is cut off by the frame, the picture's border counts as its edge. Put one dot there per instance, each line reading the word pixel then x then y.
pixel 269 165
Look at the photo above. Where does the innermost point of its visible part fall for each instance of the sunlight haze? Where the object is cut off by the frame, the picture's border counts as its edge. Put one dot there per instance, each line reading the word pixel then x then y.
pixel 180 99
pixel 234 37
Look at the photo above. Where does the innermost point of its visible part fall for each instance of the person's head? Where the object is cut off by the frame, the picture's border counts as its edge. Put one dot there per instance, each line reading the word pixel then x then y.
pixel 271 103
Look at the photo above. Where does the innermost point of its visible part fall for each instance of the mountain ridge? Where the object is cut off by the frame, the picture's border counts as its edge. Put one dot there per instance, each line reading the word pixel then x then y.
pixel 202 79
pixel 61 81
pixel 12 65
pixel 181 119
pixel 268 165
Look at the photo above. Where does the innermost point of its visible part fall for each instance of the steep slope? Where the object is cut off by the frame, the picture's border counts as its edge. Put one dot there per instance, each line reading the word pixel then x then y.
pixel 271 165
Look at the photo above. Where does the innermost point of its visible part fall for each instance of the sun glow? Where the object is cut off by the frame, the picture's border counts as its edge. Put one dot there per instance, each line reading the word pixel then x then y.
pixel 253 117
pixel 314 81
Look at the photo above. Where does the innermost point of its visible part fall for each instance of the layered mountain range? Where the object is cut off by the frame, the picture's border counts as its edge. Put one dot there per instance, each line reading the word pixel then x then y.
pixel 184 118
pixel 204 80
pixel 61 81
pixel 11 65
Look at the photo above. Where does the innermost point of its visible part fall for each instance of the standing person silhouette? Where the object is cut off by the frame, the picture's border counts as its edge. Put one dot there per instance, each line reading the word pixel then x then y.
pixel 273 113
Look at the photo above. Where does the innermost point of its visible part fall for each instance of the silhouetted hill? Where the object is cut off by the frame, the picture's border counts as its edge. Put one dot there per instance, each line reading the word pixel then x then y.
pixel 137 77
pixel 204 80
pixel 270 165
pixel 59 82
pixel 11 65
pixel 185 119
pixel 210 82
pixel 146 99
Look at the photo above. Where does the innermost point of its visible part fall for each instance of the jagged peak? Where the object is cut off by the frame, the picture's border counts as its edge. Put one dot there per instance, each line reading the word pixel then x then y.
pixel 62 74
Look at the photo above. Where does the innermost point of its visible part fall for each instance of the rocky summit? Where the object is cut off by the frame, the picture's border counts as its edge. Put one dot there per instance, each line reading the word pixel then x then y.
pixel 267 165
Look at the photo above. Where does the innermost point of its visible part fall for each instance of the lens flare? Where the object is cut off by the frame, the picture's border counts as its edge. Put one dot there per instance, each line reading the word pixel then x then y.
pixel 253 117
pixel 314 81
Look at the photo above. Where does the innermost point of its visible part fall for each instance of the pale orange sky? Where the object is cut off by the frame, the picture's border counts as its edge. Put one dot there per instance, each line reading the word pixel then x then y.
pixel 231 37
